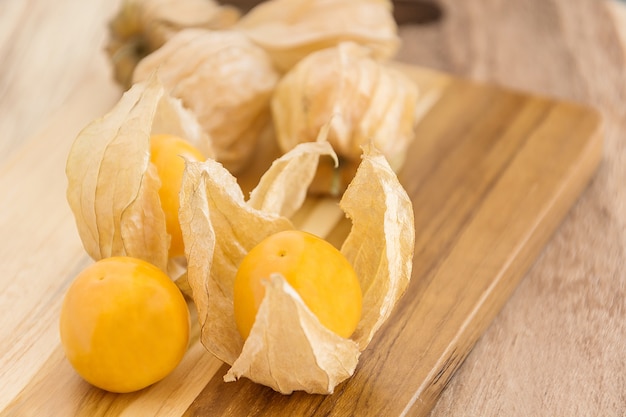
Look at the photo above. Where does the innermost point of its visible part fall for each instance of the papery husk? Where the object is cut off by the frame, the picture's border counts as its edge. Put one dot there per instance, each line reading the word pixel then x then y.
pixel 288 349
pixel 219 228
pixel 142 26
pixel 283 188
pixel 112 185
pixel 362 99
pixel 381 242
pixel 292 29
pixel 225 80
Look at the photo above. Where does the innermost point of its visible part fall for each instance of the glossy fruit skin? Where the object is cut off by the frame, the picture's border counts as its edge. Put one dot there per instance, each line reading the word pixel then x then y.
pixel 124 324
pixel 320 274
pixel 166 152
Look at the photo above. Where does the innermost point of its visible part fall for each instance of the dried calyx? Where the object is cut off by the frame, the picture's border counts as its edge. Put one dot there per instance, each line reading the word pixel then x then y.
pixel 288 349
pixel 112 185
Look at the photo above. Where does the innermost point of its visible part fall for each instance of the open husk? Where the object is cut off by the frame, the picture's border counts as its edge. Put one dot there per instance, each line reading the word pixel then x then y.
pixel 362 99
pixel 291 29
pixel 225 80
pixel 142 26
pixel 288 349
pixel 112 185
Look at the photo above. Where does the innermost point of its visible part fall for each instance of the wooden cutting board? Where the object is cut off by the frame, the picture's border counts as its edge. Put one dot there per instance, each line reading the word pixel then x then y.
pixel 491 174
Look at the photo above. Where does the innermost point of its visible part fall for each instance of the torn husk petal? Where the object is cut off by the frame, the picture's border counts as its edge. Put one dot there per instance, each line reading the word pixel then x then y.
pixel 288 349
pixel 283 188
pixel 113 187
pixel 225 80
pixel 383 230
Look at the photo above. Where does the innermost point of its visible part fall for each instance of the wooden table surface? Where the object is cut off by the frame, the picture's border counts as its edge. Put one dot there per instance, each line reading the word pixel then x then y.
pixel 559 345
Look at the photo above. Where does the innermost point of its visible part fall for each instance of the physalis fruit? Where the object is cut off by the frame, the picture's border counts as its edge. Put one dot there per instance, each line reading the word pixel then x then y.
pixel 316 270
pixel 124 324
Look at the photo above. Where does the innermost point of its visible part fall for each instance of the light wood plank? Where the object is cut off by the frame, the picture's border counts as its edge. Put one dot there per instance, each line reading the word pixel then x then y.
pixel 45 253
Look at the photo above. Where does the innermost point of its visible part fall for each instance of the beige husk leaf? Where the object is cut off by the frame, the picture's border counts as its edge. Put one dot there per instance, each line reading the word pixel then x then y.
pixel 142 26
pixel 292 29
pixel 362 99
pixel 380 244
pixel 219 228
pixel 225 80
pixel 288 349
pixel 112 185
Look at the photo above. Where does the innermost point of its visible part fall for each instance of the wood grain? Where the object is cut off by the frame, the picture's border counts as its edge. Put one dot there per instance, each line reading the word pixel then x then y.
pixel 557 347
pixel 39 72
